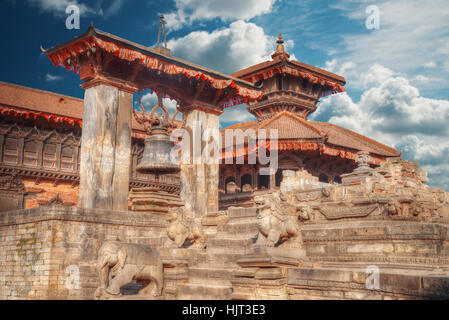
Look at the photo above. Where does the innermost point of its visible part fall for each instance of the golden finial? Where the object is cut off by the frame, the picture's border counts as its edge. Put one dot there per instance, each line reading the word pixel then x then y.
pixel 280 53
pixel 280 42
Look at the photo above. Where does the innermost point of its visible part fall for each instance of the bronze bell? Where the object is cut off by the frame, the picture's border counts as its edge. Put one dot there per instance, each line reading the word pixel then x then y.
pixel 156 155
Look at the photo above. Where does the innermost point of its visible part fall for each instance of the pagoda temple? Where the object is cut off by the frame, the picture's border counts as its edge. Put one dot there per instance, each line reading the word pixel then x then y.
pixel 93 206
pixel 40 137
pixel 292 90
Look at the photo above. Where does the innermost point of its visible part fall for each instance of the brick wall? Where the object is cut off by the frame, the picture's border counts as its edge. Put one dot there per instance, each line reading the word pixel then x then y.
pixel 41 193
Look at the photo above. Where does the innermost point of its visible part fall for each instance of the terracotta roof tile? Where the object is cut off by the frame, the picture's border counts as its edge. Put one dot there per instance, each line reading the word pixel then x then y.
pixel 29 99
pixel 346 138
pixel 25 98
pixel 244 73
pixel 292 127
pixel 289 126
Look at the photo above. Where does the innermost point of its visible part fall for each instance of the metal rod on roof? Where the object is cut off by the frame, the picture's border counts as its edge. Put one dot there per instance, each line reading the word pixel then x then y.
pixel 162 24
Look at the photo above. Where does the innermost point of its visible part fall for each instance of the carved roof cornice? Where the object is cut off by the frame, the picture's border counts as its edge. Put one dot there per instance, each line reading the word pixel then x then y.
pixel 12 183
pixel 43 174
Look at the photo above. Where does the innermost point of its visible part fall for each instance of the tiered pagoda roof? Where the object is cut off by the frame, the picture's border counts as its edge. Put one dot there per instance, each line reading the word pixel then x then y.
pixel 298 134
pixel 292 90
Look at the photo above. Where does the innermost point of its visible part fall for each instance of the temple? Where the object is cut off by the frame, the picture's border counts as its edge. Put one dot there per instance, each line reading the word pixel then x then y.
pixel 291 92
pixel 99 200
pixel 40 137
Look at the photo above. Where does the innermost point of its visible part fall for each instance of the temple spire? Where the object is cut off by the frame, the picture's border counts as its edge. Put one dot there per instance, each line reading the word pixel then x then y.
pixel 161 46
pixel 162 32
pixel 280 53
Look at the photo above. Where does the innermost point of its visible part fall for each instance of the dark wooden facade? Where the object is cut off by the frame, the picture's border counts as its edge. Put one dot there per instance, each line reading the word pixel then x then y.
pixel 39 154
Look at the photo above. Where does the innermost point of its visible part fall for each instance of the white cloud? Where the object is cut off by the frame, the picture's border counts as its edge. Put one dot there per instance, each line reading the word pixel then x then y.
pixel 392 111
pixel 149 100
pixel 113 8
pixel 227 50
pixel 58 7
pixel 235 114
pixel 430 64
pixel 413 34
pixel 52 78
pixel 188 11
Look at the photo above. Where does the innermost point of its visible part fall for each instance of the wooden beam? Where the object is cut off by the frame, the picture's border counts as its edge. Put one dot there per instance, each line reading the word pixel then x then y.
pixel 199 89
pixel 218 94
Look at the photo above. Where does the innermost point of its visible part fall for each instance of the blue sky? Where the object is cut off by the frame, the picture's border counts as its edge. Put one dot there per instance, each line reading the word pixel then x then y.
pixel 397 76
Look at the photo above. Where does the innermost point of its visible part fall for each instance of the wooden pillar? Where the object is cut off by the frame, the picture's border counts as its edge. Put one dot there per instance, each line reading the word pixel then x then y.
pixel 20 147
pixel 40 152
pixel 105 148
pixel 199 178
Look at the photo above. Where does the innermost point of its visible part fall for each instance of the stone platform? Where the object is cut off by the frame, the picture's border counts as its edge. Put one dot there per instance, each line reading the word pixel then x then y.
pixel 386 238
pixel 51 253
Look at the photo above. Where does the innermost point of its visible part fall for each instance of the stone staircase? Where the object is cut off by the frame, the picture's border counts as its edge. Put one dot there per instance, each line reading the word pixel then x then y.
pixel 210 278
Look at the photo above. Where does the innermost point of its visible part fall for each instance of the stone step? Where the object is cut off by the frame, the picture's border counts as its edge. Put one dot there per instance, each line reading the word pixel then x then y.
pixel 218 241
pixel 219 259
pixel 248 236
pixel 239 228
pixel 235 213
pixel 227 250
pixel 204 292
pixel 210 276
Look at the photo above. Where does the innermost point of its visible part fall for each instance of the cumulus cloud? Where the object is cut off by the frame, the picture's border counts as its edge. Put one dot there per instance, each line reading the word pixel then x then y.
pixel 52 78
pixel 227 50
pixel 393 111
pixel 413 34
pixel 188 11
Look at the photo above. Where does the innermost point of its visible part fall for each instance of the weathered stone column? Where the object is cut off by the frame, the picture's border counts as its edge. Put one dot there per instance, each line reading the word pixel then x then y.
pixel 199 178
pixel 105 148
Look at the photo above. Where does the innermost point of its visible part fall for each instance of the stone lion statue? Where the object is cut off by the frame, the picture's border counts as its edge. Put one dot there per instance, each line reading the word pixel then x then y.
pixel 183 228
pixel 305 213
pixel 273 225
pixel 120 263
pixel 394 208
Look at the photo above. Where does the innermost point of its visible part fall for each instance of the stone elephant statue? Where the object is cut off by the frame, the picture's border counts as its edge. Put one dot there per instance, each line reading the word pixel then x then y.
pixel 120 263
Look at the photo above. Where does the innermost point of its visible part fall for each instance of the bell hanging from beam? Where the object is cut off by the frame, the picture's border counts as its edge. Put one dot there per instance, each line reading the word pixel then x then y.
pixel 157 153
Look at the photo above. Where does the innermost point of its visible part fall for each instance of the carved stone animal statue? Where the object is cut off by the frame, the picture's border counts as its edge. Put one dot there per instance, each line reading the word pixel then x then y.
pixel 273 225
pixel 120 263
pixel 182 229
pixel 305 213
pixel 394 208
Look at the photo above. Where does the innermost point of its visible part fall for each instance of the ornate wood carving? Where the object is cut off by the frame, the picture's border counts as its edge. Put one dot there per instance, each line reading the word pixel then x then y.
pixel 12 192
pixel 44 149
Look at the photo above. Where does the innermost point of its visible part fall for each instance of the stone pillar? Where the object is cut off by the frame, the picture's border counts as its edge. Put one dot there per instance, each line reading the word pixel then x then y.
pixel 105 148
pixel 199 178
pixel 273 181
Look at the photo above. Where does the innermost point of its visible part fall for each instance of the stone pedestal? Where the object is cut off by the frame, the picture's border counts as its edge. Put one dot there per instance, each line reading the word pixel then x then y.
pixel 153 200
pixel 105 148
pixel 200 175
